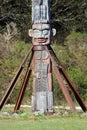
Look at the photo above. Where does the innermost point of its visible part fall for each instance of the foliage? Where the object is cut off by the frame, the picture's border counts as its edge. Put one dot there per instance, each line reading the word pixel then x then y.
pixel 65 16
pixel 71 13
pixel 17 11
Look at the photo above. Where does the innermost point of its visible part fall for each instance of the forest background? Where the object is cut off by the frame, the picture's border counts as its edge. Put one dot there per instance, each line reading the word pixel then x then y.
pixel 70 43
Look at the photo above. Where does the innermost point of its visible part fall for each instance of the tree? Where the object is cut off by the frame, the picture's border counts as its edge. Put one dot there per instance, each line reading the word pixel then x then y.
pixel 18 12
pixel 65 15
pixel 70 13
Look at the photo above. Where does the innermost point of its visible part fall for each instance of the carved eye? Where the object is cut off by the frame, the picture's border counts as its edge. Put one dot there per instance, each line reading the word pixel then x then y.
pixel 36 33
pixel 45 32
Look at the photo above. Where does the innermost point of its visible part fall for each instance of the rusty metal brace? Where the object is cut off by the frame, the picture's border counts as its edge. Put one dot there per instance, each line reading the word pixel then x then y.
pixel 14 80
pixel 63 72
pixel 24 85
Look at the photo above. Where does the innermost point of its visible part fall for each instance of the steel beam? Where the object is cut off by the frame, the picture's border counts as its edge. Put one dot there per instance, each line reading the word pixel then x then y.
pixel 13 82
pixel 24 85
pixel 22 91
pixel 72 87
pixel 61 84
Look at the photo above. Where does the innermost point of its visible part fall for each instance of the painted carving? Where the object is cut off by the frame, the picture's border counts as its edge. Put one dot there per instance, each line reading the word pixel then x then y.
pixel 41 33
pixel 40 11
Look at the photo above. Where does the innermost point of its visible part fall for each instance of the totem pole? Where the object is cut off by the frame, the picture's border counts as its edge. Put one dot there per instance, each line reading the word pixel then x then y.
pixel 41 33
pixel 41 63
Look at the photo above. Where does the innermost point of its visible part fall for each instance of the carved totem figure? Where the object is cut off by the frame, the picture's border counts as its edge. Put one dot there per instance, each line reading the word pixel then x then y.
pixel 42 55
pixel 41 33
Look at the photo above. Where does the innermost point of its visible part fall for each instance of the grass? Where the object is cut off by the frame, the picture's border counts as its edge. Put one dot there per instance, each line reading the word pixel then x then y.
pixel 41 122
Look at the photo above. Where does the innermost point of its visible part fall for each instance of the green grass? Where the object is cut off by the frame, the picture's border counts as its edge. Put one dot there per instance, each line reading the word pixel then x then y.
pixel 58 123
pixel 54 122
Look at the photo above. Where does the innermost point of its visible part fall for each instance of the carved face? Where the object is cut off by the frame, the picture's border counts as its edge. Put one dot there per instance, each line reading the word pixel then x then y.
pixel 40 34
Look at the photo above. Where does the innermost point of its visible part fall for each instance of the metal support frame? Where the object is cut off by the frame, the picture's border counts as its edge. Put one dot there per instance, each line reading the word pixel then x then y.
pixel 61 84
pixel 24 85
pixel 73 88
pixel 14 80
pixel 57 72
pixel 66 77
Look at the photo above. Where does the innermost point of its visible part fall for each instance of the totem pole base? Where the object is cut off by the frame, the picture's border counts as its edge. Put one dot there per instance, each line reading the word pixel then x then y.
pixel 58 70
